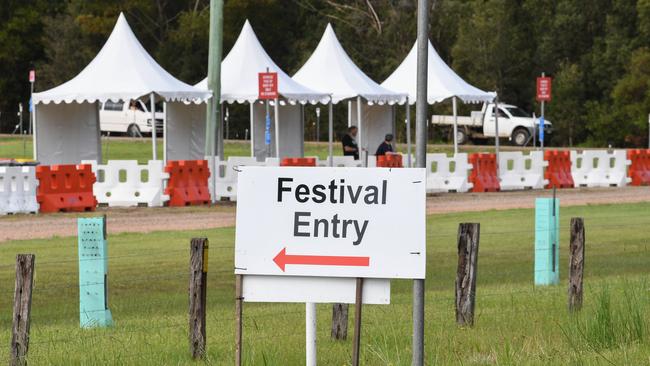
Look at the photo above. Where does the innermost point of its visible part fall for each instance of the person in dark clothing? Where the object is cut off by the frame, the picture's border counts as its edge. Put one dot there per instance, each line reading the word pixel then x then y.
pixel 385 147
pixel 349 142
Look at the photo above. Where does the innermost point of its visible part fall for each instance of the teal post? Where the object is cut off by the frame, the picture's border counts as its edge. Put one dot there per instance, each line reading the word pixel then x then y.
pixel 93 271
pixel 547 245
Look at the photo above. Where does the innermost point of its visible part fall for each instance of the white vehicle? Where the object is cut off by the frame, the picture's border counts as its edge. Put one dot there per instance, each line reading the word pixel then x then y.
pixel 514 124
pixel 132 118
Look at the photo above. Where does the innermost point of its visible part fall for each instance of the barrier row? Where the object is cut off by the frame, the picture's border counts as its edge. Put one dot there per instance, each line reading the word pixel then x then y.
pixel 180 183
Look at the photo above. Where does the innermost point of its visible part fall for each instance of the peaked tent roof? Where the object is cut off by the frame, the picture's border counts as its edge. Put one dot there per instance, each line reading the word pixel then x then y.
pixel 240 69
pixel 443 82
pixel 330 70
pixel 121 70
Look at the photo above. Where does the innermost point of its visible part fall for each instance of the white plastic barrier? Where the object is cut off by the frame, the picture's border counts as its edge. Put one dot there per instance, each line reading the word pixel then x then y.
pixel 600 168
pixel 519 171
pixel 226 187
pixel 124 183
pixel 448 174
pixel 18 189
pixel 341 162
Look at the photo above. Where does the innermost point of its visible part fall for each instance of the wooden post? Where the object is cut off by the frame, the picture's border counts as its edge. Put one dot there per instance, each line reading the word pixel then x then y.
pixel 340 321
pixel 468 240
pixel 358 304
pixel 576 263
pixel 239 299
pixel 198 287
pixel 22 309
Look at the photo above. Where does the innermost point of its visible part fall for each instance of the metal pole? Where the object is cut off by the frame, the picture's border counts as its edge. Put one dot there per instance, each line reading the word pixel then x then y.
pixel 215 49
pixel 408 134
pixel 330 117
pixel 35 131
pixel 420 159
pixel 32 109
pixel 267 129
pixel 252 122
pixel 152 105
pixel 496 130
pixel 541 142
pixel 277 128
pixel 310 333
pixel 360 133
pixel 454 104
pixel 164 133
pixel 317 124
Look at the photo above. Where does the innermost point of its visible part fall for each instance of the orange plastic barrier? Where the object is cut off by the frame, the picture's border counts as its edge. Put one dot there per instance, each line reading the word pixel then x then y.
pixel 188 182
pixel 639 170
pixel 65 188
pixel 558 171
pixel 298 162
pixel 484 173
pixel 389 161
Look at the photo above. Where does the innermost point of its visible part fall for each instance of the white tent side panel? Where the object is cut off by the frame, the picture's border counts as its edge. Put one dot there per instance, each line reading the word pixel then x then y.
pixel 67 133
pixel 185 131
pixel 291 131
pixel 377 121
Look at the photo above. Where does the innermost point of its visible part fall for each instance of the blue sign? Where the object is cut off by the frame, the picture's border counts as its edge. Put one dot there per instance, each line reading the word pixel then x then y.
pixel 541 129
pixel 267 130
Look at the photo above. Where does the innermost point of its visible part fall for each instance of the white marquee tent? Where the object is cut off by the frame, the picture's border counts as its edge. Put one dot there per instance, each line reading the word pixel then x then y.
pixel 239 84
pixel 442 84
pixel 67 117
pixel 330 70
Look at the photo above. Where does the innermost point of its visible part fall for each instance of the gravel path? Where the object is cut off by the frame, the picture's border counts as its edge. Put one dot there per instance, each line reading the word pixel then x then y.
pixel 21 227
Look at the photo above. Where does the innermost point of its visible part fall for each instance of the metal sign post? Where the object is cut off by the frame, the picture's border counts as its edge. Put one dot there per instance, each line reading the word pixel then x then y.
pixel 543 96
pixel 268 89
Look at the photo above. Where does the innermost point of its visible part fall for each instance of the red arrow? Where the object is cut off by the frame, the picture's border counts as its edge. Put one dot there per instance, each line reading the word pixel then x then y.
pixel 282 259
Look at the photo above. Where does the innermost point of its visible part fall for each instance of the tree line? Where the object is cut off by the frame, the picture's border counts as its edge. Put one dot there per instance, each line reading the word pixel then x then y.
pixel 597 51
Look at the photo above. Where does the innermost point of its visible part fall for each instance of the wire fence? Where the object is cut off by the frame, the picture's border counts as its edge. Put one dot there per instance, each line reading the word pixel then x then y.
pixel 175 280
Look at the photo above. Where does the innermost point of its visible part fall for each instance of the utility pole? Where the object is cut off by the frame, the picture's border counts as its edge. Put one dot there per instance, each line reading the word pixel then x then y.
pixel 420 159
pixel 212 129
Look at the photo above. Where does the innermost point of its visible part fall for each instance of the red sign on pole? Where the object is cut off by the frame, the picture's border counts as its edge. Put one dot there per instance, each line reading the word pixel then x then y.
pixel 544 89
pixel 268 85
pixel 32 76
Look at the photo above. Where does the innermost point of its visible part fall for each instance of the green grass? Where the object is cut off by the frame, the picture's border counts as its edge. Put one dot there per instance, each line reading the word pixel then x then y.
pixel 516 323
pixel 140 149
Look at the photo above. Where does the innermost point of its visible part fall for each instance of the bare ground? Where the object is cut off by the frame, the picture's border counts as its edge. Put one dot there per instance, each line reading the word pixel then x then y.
pixel 43 226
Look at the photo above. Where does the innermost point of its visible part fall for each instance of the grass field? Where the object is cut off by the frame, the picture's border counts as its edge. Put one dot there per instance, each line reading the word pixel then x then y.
pixel 516 323
pixel 140 149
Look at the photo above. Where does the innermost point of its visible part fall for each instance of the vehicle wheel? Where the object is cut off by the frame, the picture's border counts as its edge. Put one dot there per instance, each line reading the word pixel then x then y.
pixel 133 131
pixel 520 136
pixel 461 136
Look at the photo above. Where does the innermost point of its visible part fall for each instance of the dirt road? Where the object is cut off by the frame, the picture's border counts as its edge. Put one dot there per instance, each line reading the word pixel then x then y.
pixel 156 219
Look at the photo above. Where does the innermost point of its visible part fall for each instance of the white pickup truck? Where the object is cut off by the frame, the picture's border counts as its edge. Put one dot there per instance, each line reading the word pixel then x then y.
pixel 514 124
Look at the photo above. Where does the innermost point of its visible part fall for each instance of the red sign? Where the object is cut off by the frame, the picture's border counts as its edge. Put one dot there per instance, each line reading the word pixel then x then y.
pixel 268 85
pixel 32 76
pixel 544 89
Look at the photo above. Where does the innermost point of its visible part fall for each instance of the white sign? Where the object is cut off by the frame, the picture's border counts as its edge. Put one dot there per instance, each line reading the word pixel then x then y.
pixel 376 291
pixel 331 222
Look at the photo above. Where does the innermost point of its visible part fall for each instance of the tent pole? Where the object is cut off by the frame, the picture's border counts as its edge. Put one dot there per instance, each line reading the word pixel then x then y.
pixel 252 132
pixel 454 103
pixel 164 133
pixel 277 128
pixel 152 103
pixel 33 130
pixel 220 141
pixel 362 156
pixel 408 133
pixel 330 122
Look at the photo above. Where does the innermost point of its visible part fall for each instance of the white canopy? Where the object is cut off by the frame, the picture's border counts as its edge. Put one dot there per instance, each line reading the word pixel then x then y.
pixel 443 82
pixel 330 70
pixel 240 69
pixel 122 70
